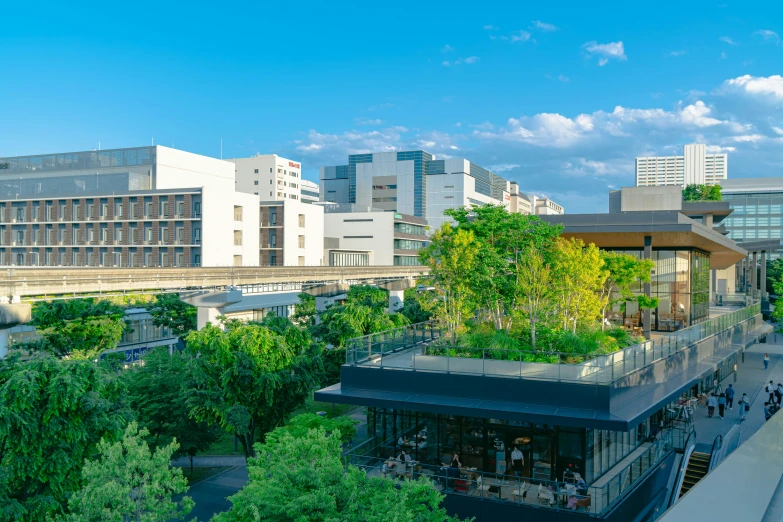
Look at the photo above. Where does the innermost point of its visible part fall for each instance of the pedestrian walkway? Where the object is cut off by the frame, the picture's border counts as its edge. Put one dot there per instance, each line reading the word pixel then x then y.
pixel 751 378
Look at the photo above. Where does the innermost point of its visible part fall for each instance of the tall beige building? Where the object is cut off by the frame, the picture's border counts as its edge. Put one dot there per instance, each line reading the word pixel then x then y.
pixel 695 166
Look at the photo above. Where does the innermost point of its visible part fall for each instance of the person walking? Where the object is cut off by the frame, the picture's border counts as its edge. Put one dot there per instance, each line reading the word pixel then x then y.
pixel 779 393
pixel 771 391
pixel 744 406
pixel 721 405
pixel 767 413
pixel 711 403
pixel 517 461
pixel 766 361
pixel 730 397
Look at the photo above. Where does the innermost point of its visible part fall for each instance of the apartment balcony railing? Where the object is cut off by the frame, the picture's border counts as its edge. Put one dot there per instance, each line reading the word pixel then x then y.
pixel 422 347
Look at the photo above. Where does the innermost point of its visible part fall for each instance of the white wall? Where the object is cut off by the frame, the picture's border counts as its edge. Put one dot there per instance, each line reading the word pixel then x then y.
pixel 274 185
pixel 180 169
pixel 376 231
pixel 313 233
pixel 386 164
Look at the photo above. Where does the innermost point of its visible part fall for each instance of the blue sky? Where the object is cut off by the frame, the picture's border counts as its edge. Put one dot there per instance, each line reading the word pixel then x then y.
pixel 558 96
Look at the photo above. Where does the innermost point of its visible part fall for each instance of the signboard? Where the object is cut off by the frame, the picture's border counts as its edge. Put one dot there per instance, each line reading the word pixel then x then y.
pixel 294 165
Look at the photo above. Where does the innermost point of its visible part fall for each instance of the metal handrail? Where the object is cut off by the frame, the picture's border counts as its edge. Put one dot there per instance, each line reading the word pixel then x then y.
pixel 683 467
pixel 716 446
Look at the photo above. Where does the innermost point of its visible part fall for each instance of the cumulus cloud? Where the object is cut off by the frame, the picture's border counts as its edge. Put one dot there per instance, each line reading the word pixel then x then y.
pixel 605 52
pixel 768 35
pixel 543 26
pixel 365 121
pixel 728 40
pixel 770 86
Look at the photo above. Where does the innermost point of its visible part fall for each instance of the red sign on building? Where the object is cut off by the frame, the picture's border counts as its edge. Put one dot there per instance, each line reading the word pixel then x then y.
pixel 294 165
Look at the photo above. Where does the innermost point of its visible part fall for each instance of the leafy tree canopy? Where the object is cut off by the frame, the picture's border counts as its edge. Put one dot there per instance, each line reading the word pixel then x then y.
pixel 170 311
pixel 52 413
pixel 158 392
pixel 299 426
pixel 130 482
pixel 79 328
pixel 702 193
pixel 248 379
pixel 302 479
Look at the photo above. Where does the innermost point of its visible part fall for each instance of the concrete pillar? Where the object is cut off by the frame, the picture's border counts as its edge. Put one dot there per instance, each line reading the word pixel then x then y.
pixel 647 315
pixel 708 220
pixel 753 274
pixel 763 282
pixel 207 315
pixel 321 302
pixel 396 299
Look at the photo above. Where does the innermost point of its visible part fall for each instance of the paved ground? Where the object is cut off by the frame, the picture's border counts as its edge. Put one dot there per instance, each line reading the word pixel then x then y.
pixel 210 494
pixel 210 461
pixel 751 379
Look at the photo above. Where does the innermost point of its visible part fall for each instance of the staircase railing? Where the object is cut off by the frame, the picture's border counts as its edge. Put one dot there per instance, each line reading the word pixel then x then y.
pixel 716 446
pixel 689 447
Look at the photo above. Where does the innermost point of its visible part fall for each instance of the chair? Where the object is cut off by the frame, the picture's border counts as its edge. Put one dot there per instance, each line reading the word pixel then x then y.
pixel 521 492
pixel 584 502
pixel 461 485
pixel 480 486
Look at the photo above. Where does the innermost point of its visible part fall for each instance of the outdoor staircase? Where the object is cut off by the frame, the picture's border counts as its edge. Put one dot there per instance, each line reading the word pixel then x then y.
pixel 698 466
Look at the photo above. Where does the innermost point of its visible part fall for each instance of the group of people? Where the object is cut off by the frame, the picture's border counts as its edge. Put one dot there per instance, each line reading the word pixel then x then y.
pixel 726 399
pixel 775 396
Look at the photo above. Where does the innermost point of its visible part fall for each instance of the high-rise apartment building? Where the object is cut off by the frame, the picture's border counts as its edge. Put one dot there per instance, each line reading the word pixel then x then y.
pixel 758 210
pixel 269 176
pixel 416 184
pixel 133 207
pixel 695 166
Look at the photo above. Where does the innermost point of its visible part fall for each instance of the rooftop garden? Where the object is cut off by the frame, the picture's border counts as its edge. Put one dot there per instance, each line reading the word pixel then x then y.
pixel 508 286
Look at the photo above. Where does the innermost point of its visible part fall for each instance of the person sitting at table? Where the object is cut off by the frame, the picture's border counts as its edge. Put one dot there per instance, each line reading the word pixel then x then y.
pixel 404 457
pixel 400 441
pixel 581 485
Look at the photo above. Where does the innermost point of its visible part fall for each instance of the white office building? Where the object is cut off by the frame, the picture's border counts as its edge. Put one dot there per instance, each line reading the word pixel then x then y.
pixel 310 191
pixel 135 207
pixel 292 234
pixel 543 206
pixel 414 183
pixel 695 166
pixel 269 176
pixel 360 236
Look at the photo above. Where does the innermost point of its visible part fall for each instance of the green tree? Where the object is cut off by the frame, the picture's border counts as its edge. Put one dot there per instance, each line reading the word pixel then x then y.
pixel 451 255
pixel 623 272
pixel 578 277
pixel 248 379
pixel 299 426
pixel 504 239
pixel 52 413
pixel 413 309
pixel 170 311
pixel 79 328
pixel 304 310
pixel 534 287
pixel 303 479
pixel 696 192
pixel 158 392
pixel 130 482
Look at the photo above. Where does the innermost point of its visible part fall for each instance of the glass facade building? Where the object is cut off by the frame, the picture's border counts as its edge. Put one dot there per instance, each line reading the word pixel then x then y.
pixel 680 281
pixel 758 210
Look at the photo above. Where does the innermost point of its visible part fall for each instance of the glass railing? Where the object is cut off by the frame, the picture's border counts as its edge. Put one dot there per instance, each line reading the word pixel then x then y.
pixel 421 347
pixel 505 487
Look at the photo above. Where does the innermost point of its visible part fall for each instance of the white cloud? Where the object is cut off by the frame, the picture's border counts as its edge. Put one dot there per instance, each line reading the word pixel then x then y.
pixel 503 167
pixel 728 40
pixel 563 78
pixel 520 36
pixel 723 56
pixel 351 142
pixel 447 49
pixel 717 149
pixel 484 126
pixel 677 53
pixel 777 130
pixel 770 86
pixel 605 52
pixel 364 121
pixel 698 115
pixel 459 61
pixel 766 34
pixel 490 27
pixel 543 26
pixel 750 138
